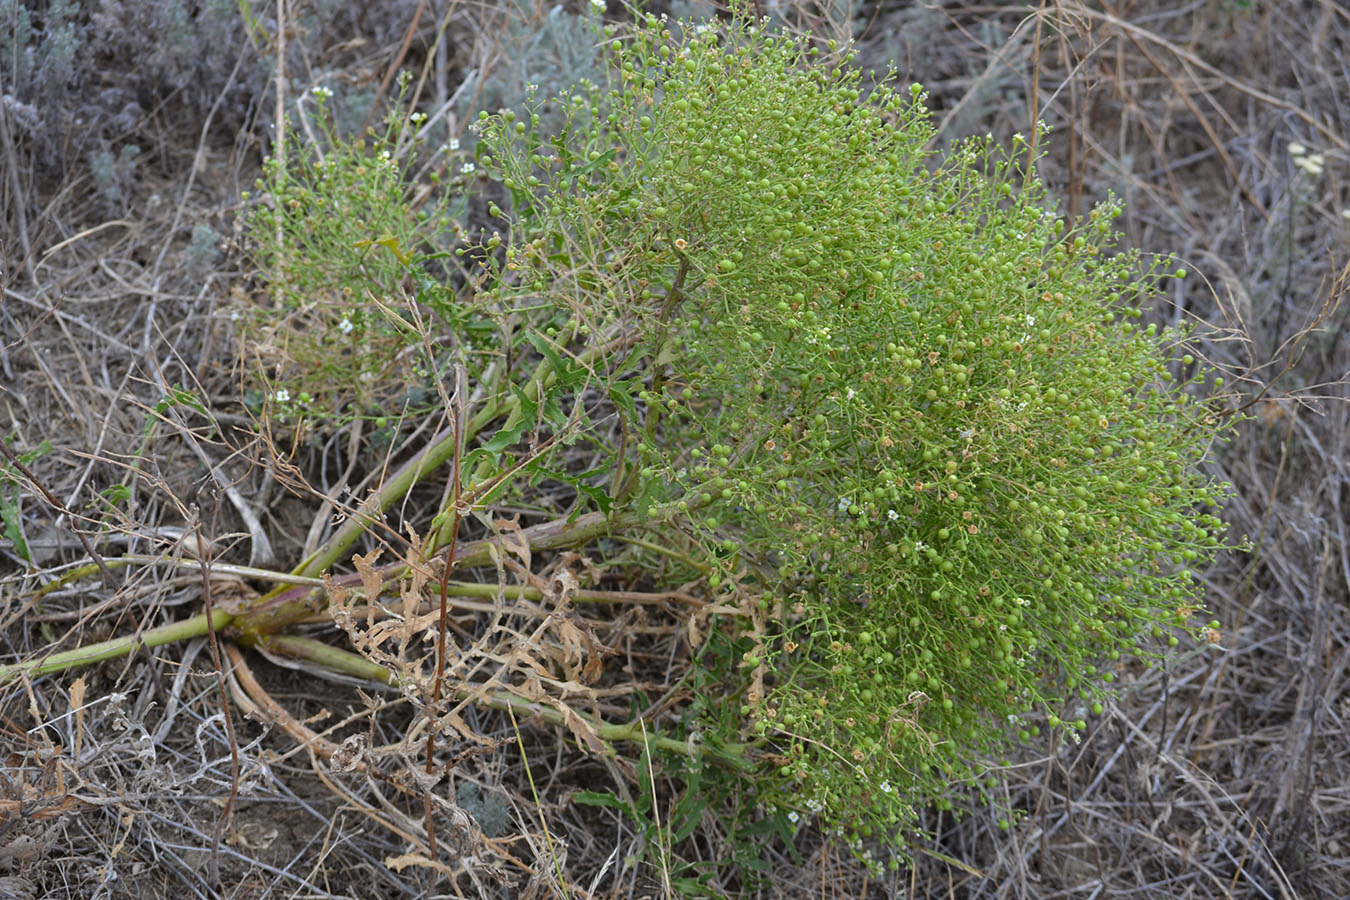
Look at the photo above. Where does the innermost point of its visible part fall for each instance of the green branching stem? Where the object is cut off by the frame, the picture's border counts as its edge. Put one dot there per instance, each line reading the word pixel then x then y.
pixel 284 607
pixel 289 604
pixel 674 297
pixel 436 453
pixel 733 756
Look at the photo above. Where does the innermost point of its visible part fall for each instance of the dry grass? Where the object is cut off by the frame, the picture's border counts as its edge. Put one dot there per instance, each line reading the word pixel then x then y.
pixel 1223 775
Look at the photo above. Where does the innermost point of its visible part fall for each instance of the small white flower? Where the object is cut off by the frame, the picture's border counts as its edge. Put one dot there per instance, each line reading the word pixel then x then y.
pixel 598 5
pixel 346 326
pixel 1312 164
pixel 454 144
pixel 885 787
pixel 417 118
pixel 385 154
pixel 892 515
pixel 1296 149
pixel 844 503
pixel 793 817
pixel 320 92
pixel 283 396
pixel 851 394
pixel 920 546
pixel 467 168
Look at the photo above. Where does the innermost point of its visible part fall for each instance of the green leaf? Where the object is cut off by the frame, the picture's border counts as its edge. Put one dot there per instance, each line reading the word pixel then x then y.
pixel 503 439
pixel 689 812
pixel 777 825
pixel 529 409
pixel 600 497
pixel 28 457
pixel 644 775
pixel 623 398
pixel 601 160
pixel 596 798
pixel 694 887
pixel 650 492
pixel 568 373
pixel 9 515
pixel 390 243
pixel 116 494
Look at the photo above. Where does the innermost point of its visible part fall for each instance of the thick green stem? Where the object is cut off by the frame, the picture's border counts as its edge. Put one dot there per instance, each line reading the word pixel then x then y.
pixel 283 607
pixel 438 451
pixel 441 448
pixel 123 646
pixel 288 604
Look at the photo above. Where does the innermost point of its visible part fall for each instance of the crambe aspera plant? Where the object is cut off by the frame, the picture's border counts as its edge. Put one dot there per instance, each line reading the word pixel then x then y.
pixel 916 434
pixel 742 336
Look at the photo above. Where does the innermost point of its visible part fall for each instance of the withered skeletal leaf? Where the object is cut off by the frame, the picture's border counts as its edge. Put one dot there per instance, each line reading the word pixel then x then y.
pixel 412 592
pixel 582 656
pixel 337 594
pixel 562 588
pixel 581 729
pixel 351 754
pixel 412 589
pixel 371 580
pixel 579 645
pixel 697 626
pixel 77 692
pixel 399 863
pixel 532 689
pixel 513 539
pixel 452 719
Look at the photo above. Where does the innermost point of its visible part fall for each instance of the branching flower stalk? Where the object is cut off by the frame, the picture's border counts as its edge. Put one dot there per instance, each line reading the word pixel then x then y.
pixel 908 415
